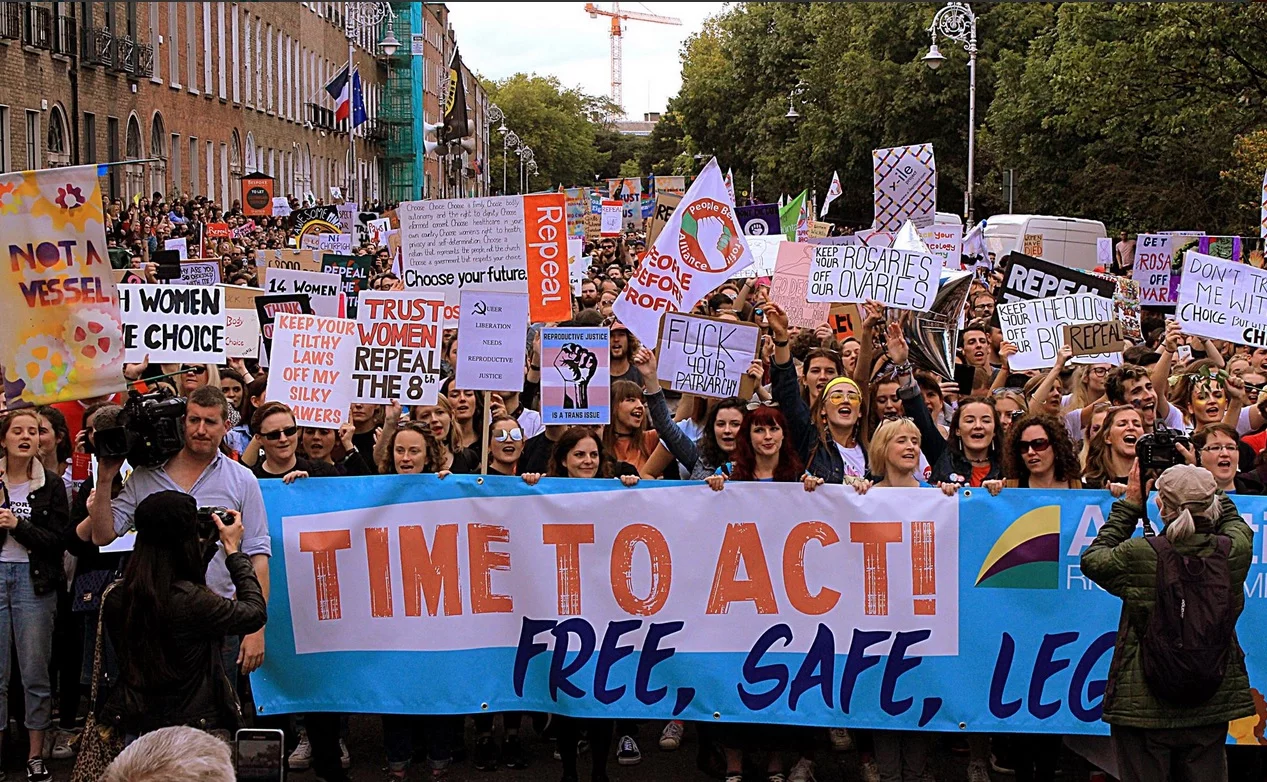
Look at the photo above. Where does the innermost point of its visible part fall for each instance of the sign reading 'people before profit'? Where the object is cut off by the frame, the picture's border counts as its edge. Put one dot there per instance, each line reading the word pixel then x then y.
pixel 1219 299
pixel 897 278
pixel 310 359
pixel 1036 327
pixel 704 356
pixel 492 346
pixel 398 350
pixel 171 323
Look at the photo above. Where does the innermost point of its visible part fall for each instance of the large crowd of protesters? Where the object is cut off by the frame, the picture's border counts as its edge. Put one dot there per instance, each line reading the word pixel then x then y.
pixel 827 408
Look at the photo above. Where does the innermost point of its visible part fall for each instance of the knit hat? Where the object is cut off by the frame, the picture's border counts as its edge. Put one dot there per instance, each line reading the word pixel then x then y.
pixel 167 519
pixel 1187 492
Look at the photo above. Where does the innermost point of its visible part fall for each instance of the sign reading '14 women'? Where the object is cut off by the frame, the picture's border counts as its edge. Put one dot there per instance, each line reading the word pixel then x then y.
pixel 759 603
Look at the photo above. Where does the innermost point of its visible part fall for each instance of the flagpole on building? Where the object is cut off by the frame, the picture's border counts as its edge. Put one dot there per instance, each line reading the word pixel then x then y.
pixel 353 179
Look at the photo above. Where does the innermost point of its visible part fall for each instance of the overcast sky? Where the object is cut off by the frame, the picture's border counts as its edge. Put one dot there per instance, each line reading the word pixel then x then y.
pixel 560 39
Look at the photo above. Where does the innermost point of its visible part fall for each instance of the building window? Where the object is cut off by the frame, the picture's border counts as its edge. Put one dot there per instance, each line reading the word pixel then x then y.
pixel 112 152
pixel 5 162
pixel 176 172
pixel 155 46
pixel 235 154
pixel 191 45
pixel 58 149
pixel 236 65
pixel 268 57
pixel 206 49
pixel 211 171
pixel 259 65
pixel 224 174
pixel 158 149
pixel 173 50
pixel 89 141
pixel 32 140
pixel 223 93
pixel 248 59
pixel 195 177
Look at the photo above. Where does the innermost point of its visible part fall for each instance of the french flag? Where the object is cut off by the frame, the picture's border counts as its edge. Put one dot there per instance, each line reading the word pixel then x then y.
pixel 340 89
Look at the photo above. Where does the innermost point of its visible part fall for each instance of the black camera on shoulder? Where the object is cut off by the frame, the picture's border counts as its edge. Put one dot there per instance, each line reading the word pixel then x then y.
pixel 1157 451
pixel 149 430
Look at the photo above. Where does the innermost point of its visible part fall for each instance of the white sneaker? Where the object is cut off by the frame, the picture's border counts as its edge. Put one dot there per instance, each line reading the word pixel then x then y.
pixel 671 736
pixel 803 771
pixel 978 771
pixel 301 758
pixel 841 741
pixel 870 772
pixel 345 757
pixel 62 748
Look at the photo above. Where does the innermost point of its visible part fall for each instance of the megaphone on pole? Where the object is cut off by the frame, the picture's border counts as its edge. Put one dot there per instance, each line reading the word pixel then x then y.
pixel 430 136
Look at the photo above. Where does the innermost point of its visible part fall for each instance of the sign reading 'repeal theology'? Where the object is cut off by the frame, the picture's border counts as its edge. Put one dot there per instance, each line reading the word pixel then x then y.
pixel 499 243
pixel 897 278
pixel 1037 328
pixel 1219 299
pixel 170 323
pixel 704 356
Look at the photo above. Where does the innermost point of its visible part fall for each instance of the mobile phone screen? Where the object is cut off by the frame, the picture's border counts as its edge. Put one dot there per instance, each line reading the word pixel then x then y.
pixel 259 759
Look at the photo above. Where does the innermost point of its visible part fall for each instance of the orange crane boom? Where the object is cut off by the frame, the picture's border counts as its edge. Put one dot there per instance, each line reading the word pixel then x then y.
pixel 617 63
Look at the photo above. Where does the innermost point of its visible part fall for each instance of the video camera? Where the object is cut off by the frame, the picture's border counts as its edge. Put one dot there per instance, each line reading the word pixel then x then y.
pixel 148 432
pixel 1157 451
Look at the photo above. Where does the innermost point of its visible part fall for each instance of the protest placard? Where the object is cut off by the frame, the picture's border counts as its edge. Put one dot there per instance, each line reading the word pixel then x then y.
pixel 1220 299
pixel 347 216
pixel 455 244
pixel 323 219
pixel 378 230
pixel 398 347
pixel 946 242
pixel 819 230
pixel 217 232
pixel 675 185
pixel 241 333
pixel 335 243
pixel 171 323
pixel 790 285
pixel 592 223
pixel 200 273
pixel 1104 252
pixel 1036 327
pixel 845 320
pixel 765 253
pixel 665 204
pixel 240 297
pixel 324 291
pixel 1152 268
pixel 354 271
pixel 1034 278
pixel 704 356
pixel 575 376
pixel 492 344
pixel 281 206
pixel 546 248
pixel 578 205
pixel 1182 242
pixel 758 219
pixel 897 278
pixel 288 258
pixel 1089 339
pixel 181 246
pixel 310 364
pixel 267 308
pixel 905 181
pixel 613 217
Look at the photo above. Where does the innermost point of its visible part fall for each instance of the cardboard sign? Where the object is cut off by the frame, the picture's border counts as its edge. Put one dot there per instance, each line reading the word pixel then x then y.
pixel 897 278
pixel 790 285
pixel 1089 339
pixel 267 308
pixel 845 320
pixel 242 333
pixel 819 230
pixel 335 243
pixel 286 258
pixel 1152 268
pixel 354 271
pixel 612 217
pixel 765 253
pixel 675 185
pixel 309 368
pixel 593 225
pixel 378 230
pixel 492 341
pixel 905 181
pixel 324 291
pixel 347 216
pixel 1032 244
pixel 455 244
pixel 172 323
pixel 240 297
pixel 1036 327
pixel 575 376
pixel 1219 299
pixel 398 348
pixel 127 277
pixel 758 219
pixel 704 356
pixel 665 204
pixel 200 273
pixel 1034 278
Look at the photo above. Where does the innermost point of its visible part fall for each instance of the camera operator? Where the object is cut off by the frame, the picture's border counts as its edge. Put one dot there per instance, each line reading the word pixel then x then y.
pixel 202 470
pixel 167 627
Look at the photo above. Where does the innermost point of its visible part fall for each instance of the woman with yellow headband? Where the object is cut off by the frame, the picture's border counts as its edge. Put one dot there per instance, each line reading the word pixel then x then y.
pixel 828 436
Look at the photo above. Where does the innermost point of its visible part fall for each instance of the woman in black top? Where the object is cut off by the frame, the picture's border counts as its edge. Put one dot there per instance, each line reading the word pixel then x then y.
pixel 273 428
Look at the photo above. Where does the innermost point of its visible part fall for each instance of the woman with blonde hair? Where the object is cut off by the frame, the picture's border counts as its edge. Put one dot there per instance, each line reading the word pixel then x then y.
pixel 894 454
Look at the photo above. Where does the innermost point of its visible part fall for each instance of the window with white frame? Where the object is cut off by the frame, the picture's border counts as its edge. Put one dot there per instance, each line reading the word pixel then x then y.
pixel 195 176
pixel 224 57
pixel 191 45
pixel 207 54
pixel 235 67
pixel 173 50
pixel 268 57
pixel 156 69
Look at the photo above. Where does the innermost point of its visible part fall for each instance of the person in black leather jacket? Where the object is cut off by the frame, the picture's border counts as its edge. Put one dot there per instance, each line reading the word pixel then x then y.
pixel 167 626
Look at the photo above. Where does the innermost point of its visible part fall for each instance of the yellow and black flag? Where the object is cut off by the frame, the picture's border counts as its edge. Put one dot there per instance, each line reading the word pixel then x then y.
pixel 455 121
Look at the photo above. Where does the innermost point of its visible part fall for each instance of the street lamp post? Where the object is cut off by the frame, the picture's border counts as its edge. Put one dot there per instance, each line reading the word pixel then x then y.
pixel 957 22
pixel 359 18
pixel 508 140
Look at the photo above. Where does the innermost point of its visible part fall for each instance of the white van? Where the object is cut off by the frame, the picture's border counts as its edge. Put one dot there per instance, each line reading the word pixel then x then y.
pixel 1068 241
pixel 947 218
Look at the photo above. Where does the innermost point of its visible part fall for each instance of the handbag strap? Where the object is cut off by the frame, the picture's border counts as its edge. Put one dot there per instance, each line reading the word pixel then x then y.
pixel 96 650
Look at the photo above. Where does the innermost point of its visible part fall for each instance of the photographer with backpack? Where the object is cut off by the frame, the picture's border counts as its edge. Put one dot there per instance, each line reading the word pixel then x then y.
pixel 1178 673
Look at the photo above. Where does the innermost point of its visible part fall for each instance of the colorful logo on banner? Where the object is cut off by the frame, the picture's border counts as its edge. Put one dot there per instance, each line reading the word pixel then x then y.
pixel 59 310
pixel 1027 555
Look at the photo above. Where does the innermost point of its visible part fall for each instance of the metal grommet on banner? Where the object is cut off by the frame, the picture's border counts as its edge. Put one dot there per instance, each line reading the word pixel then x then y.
pixel 967 492
pixel 483 707
pixel 963 726
pixel 717 715
pixel 479 481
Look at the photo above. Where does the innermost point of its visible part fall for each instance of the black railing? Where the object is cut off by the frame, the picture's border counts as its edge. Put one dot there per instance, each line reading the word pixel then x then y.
pixel 374 130
pixel 144 60
pixel 64 42
pixel 11 20
pixel 321 117
pixel 39 28
pixel 125 54
pixel 98 47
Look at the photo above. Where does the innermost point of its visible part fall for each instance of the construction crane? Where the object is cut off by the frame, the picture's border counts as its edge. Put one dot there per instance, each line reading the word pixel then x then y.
pixel 617 33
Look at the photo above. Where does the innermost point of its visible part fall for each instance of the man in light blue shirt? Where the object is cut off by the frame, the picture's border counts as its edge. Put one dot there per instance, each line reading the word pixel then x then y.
pixel 200 469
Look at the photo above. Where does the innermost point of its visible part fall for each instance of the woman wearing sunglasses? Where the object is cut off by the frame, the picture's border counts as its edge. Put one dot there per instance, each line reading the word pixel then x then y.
pixel 438 420
pixel 275 431
pixel 1040 455
pixel 194 376
pixel 505 446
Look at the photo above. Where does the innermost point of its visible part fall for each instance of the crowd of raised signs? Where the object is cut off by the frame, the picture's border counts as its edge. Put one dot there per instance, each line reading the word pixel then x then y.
pixel 825 407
